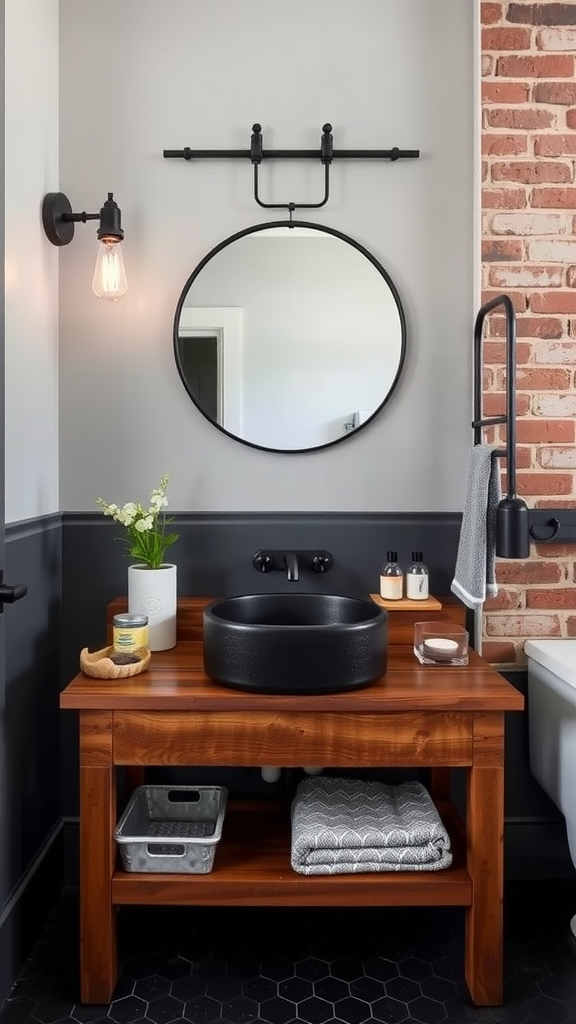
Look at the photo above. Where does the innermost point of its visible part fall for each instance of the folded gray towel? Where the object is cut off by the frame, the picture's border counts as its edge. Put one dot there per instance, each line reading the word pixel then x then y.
pixel 344 826
pixel 474 576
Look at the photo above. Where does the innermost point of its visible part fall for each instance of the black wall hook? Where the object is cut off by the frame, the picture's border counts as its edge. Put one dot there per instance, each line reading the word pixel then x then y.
pixel 554 528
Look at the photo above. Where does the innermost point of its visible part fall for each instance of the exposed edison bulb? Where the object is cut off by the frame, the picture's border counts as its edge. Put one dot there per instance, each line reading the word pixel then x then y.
pixel 109 281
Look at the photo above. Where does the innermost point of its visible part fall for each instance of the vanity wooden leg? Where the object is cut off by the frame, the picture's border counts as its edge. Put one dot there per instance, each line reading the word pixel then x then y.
pixel 98 958
pixel 485 840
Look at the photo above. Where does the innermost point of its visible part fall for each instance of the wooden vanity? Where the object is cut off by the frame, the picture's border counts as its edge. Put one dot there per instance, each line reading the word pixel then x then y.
pixel 415 716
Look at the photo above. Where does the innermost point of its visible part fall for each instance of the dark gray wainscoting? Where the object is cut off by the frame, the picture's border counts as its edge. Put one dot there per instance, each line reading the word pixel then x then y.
pixel 30 812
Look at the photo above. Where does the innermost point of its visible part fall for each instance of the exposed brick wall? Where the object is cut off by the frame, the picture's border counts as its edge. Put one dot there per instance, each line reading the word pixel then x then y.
pixel 529 252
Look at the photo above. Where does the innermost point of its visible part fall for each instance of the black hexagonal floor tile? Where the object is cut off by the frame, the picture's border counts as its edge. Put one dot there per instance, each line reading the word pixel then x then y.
pixel 440 989
pixel 558 988
pixel 367 989
pixel 188 988
pixel 152 987
pixel 346 969
pixel 315 1010
pixel 426 1011
pixel 124 987
pixel 390 1011
pixel 240 1010
pixel 127 1010
pixel 295 989
pixel 353 1011
pixel 260 989
pixel 546 1009
pixel 165 1010
pixel 49 1010
pixel 301 966
pixel 332 989
pixel 202 1010
pixel 277 1010
pixel 86 1014
pixel 415 969
pixel 403 989
pixel 381 969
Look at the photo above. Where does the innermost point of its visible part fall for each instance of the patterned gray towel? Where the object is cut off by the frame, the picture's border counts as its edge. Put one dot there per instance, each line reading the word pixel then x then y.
pixel 342 826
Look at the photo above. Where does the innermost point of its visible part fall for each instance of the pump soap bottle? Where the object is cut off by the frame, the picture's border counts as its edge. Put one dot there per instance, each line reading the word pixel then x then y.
pixel 417 588
pixel 391 578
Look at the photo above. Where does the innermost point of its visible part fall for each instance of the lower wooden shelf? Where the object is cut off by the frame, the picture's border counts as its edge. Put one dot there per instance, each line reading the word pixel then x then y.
pixel 252 868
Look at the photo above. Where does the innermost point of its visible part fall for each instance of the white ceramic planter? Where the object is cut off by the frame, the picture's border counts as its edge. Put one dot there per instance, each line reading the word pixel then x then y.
pixel 153 592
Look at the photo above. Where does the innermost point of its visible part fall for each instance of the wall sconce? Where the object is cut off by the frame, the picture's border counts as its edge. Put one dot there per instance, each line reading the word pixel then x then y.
pixel 109 281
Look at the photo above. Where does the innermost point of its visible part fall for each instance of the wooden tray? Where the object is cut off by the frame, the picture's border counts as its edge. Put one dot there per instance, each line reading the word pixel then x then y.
pixel 99 665
pixel 404 604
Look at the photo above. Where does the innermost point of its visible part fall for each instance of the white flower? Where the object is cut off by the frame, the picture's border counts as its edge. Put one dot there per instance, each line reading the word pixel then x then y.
pixel 157 501
pixel 143 525
pixel 146 539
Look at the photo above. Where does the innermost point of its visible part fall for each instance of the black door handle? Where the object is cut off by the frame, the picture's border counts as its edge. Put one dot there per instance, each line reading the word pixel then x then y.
pixel 10 594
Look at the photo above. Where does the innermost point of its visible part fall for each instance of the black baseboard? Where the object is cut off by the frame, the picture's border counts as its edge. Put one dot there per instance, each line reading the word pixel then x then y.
pixel 28 908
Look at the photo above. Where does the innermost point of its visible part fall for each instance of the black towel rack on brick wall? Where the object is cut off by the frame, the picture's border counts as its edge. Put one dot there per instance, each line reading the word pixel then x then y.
pixel 516 524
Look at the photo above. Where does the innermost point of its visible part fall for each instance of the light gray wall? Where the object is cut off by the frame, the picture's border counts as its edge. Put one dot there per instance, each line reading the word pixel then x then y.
pixel 31 277
pixel 145 75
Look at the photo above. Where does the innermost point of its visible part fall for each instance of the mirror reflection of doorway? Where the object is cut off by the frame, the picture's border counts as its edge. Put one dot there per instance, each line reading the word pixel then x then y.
pixel 200 363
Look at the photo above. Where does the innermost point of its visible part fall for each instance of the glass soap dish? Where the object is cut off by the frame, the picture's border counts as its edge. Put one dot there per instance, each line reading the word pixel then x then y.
pixel 440 643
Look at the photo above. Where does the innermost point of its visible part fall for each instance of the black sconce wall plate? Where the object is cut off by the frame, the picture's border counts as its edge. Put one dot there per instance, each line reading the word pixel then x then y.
pixel 56 209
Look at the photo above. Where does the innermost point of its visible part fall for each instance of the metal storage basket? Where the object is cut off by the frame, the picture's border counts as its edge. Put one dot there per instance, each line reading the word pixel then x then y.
pixel 172 828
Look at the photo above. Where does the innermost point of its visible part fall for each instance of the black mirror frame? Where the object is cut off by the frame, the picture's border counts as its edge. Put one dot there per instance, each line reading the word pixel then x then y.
pixel 290 224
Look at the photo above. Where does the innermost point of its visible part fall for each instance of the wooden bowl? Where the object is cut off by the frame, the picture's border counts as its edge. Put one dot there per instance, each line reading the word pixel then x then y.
pixel 99 664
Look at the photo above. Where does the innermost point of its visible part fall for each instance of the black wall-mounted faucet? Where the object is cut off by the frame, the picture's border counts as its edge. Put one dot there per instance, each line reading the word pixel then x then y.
pixel 291 562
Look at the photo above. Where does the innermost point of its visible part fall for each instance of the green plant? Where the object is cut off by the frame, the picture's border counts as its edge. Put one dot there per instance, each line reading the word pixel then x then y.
pixel 146 539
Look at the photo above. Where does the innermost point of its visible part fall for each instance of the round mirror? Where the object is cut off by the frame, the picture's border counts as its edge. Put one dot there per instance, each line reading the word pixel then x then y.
pixel 289 336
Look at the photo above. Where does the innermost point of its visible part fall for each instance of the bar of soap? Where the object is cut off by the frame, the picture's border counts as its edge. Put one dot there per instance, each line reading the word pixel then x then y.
pixel 440 647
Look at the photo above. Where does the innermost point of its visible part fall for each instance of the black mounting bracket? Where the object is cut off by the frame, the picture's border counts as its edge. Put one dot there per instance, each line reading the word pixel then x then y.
pixel 326 154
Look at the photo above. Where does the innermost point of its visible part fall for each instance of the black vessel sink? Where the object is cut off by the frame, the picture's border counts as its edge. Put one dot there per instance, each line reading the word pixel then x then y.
pixel 295 643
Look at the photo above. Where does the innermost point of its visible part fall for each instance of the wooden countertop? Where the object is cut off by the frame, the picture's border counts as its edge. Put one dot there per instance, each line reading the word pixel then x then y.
pixel 176 681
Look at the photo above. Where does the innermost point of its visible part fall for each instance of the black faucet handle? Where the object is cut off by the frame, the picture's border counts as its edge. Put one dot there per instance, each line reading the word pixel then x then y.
pixel 321 561
pixel 263 561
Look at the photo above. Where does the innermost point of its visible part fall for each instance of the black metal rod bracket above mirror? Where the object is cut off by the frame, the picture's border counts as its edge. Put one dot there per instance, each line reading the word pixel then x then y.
pixel 326 154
